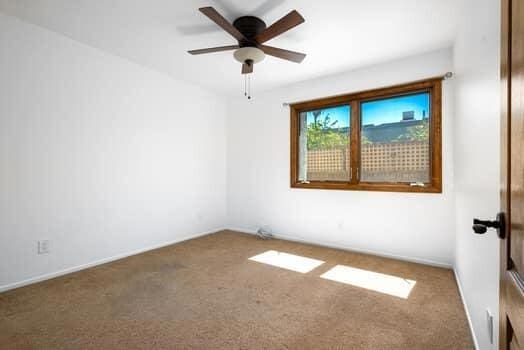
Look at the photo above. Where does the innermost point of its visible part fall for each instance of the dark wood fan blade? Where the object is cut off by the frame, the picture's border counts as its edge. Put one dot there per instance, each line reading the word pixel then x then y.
pixel 284 24
pixel 247 68
pixel 216 17
pixel 213 49
pixel 281 53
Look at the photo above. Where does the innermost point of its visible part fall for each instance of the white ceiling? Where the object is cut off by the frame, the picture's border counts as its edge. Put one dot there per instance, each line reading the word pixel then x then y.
pixel 338 35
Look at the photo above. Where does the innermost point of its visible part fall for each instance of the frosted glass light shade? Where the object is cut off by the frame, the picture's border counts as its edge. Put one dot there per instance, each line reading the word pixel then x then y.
pixel 249 53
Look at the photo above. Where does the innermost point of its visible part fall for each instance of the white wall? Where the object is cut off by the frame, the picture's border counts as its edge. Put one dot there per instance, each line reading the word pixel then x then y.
pixel 476 134
pixel 99 155
pixel 414 226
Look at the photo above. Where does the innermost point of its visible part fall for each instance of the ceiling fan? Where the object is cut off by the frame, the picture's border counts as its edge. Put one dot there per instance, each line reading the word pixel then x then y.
pixel 251 33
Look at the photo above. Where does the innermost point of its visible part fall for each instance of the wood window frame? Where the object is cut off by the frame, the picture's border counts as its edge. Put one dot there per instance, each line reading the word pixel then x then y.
pixel 432 85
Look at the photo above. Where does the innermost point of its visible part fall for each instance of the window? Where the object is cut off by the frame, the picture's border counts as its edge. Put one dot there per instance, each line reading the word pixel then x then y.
pixel 387 139
pixel 324 144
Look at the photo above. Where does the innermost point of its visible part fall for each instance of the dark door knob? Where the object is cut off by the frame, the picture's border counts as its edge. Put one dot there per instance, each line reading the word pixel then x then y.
pixel 481 226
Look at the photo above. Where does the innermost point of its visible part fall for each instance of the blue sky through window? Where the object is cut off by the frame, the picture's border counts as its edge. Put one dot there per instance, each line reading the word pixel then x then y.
pixel 390 110
pixel 378 112
pixel 340 113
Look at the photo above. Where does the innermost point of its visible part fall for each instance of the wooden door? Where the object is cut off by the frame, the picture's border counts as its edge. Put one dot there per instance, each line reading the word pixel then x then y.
pixel 512 176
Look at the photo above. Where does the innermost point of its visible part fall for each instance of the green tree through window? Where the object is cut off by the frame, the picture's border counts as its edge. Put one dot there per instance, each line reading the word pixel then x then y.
pixel 324 133
pixel 416 133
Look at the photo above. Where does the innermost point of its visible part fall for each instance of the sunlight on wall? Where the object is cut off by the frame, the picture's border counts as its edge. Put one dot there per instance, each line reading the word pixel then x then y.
pixel 287 261
pixel 387 284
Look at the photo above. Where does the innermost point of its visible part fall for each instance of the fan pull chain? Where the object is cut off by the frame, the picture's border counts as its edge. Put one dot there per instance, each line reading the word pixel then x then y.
pixel 249 86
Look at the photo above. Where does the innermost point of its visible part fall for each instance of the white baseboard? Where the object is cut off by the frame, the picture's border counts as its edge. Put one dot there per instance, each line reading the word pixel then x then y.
pixel 470 322
pixel 100 261
pixel 350 249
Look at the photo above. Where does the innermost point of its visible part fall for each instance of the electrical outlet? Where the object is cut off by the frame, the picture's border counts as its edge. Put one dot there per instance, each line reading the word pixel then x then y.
pixel 43 247
pixel 489 320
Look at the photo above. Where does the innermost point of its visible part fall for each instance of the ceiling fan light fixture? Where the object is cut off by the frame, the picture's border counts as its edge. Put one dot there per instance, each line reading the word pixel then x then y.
pixel 249 53
pixel 251 33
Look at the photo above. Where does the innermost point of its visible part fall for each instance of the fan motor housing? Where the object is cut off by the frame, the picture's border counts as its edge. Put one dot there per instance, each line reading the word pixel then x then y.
pixel 250 26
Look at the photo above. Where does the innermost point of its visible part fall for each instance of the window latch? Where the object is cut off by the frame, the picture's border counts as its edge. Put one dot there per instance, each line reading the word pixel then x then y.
pixel 417 184
pixel 304 181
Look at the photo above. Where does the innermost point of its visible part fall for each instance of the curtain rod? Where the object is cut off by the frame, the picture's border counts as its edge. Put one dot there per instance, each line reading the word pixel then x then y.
pixel 446 76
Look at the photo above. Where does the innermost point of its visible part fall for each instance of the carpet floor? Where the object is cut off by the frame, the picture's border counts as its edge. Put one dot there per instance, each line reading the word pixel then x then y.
pixel 207 293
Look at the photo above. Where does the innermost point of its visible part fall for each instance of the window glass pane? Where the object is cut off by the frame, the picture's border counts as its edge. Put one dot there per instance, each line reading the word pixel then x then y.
pixel 324 151
pixel 395 139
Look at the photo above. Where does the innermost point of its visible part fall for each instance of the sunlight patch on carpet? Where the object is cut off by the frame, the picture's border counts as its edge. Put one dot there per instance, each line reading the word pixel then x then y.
pixel 287 261
pixel 379 282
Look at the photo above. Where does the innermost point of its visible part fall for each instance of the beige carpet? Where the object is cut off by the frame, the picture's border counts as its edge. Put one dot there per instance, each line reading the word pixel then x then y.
pixel 206 294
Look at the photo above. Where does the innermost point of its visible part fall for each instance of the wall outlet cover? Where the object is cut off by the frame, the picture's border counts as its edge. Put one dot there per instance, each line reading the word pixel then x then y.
pixel 43 246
